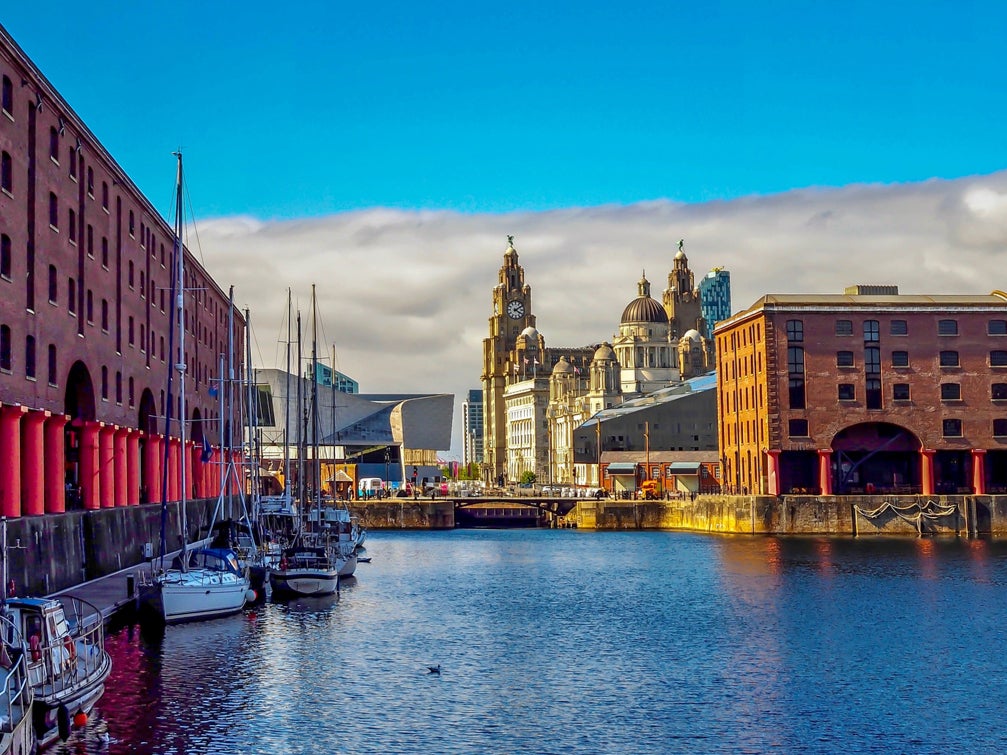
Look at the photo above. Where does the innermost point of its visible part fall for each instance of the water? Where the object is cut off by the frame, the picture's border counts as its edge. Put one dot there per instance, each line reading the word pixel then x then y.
pixel 565 641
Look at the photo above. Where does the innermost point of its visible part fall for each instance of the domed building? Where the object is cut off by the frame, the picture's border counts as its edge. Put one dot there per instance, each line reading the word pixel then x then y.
pixel 642 347
pixel 536 397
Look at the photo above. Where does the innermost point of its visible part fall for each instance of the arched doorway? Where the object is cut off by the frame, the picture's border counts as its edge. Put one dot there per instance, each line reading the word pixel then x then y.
pixel 146 421
pixel 876 457
pixel 78 404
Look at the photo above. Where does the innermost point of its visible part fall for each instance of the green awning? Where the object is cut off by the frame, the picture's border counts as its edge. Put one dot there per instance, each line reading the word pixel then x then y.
pixel 621 468
pixel 684 467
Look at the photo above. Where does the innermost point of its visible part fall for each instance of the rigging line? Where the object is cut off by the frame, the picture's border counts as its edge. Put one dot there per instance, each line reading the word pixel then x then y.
pixel 281 344
pixel 195 227
pixel 255 340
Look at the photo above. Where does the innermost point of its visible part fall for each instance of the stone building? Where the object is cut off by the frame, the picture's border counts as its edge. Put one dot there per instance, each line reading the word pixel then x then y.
pixel 866 391
pixel 657 345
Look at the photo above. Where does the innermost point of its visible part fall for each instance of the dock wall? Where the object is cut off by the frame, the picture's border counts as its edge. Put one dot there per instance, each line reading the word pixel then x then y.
pixel 804 515
pixel 54 552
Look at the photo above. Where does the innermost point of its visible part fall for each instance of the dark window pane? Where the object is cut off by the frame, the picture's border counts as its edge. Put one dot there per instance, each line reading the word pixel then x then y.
pixel 872 393
pixel 952 428
pixel 847 392
pixel 844 327
pixel 799 428
pixel 899 328
pixel 951 392
pixel 949 359
pixel 947 327
pixel 900 391
pixel 900 359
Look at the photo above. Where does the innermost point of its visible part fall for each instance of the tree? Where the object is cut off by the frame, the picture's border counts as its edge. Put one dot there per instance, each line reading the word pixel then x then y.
pixel 527 478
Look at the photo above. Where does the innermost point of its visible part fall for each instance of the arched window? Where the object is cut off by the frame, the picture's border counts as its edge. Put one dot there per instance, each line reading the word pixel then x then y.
pixel 104 383
pixel 52 284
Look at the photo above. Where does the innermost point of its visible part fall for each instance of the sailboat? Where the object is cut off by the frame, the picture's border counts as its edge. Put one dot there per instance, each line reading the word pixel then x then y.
pixel 313 562
pixel 207 582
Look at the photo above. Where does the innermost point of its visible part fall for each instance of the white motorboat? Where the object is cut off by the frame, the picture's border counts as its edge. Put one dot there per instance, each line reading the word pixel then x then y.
pixel 17 734
pixel 63 644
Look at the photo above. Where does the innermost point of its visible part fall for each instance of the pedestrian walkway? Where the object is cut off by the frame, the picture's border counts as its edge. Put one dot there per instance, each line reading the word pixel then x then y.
pixel 115 592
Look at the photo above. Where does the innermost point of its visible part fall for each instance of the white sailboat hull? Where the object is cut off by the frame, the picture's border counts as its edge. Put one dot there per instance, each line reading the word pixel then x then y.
pixel 199 594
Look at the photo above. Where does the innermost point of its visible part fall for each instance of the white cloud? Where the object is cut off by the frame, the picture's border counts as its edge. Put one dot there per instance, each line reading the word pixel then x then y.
pixel 405 296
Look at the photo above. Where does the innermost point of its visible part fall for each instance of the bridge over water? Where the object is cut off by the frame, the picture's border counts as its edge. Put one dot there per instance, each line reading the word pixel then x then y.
pixel 511 511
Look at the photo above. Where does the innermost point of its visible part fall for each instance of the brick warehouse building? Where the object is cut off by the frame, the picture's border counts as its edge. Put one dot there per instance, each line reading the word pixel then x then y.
pixel 85 311
pixel 865 392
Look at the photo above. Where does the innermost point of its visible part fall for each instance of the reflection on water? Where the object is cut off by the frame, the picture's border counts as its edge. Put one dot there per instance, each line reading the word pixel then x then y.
pixel 575 641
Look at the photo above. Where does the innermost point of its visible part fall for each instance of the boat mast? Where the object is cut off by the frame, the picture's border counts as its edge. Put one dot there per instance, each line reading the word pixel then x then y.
pixel 180 363
pixel 316 470
pixel 252 468
pixel 300 424
pixel 286 419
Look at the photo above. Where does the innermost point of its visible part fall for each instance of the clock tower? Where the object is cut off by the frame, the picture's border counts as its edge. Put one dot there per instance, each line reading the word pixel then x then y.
pixel 511 315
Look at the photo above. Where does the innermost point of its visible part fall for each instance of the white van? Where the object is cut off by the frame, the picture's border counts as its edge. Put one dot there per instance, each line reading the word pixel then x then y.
pixel 370 487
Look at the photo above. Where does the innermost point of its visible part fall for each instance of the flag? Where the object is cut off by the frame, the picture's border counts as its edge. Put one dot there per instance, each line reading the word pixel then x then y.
pixel 576 370
pixel 526 360
pixel 515 368
pixel 213 391
pixel 537 362
pixel 207 451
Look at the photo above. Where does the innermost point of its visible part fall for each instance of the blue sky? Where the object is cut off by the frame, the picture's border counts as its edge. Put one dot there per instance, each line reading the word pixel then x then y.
pixel 385 150
pixel 307 109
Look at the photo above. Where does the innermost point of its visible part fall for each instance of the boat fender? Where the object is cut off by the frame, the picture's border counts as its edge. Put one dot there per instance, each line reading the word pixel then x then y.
pixel 36 651
pixel 71 648
pixel 250 596
pixel 63 722
pixel 283 564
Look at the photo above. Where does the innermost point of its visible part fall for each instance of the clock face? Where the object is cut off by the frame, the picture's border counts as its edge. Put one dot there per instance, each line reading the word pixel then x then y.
pixel 515 309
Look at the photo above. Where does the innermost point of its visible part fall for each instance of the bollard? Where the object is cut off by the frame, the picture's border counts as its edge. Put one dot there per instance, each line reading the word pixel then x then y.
pixel 130 585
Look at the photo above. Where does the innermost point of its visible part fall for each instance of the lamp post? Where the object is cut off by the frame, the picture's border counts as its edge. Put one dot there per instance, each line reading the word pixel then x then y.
pixel 388 459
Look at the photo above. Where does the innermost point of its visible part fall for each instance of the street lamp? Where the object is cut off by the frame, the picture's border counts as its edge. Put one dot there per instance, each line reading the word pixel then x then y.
pixel 388 459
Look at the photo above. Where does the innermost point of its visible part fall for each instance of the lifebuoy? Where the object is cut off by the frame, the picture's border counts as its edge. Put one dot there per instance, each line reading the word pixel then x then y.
pixel 71 648
pixel 36 650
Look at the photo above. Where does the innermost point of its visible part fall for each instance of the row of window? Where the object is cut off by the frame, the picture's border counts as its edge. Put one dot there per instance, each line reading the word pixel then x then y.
pixel 872 358
pixel 950 428
pixel 901 392
pixel 6 356
pixel 7 364
pixel 872 329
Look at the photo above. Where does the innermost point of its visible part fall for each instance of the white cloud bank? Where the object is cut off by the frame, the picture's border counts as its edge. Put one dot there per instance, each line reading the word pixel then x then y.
pixel 405 296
